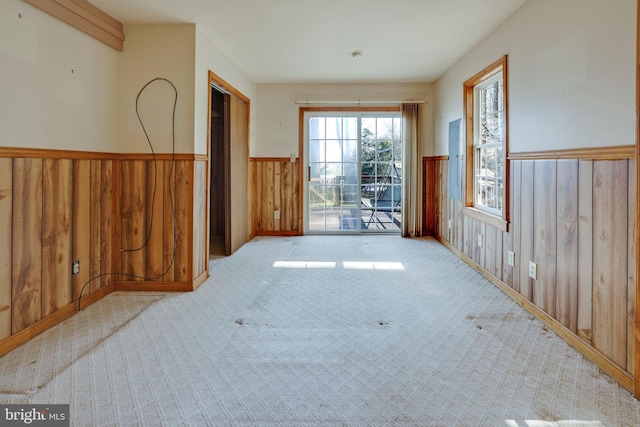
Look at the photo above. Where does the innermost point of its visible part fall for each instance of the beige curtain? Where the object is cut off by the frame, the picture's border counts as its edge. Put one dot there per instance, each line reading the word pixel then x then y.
pixel 411 210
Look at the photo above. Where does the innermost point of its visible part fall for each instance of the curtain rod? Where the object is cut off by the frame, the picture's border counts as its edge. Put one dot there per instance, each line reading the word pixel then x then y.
pixel 359 102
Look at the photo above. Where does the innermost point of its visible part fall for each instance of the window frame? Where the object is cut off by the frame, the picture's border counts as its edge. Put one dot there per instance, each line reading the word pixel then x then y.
pixel 305 113
pixel 499 219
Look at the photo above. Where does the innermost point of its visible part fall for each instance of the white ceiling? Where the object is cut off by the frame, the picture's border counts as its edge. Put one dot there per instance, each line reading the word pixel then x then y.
pixel 311 41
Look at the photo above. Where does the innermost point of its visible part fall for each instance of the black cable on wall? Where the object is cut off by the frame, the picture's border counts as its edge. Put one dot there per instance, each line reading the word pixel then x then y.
pixel 171 191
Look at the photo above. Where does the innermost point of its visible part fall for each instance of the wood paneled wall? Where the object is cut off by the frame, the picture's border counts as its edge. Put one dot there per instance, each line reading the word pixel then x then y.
pixel 93 215
pixel 53 211
pixel 276 183
pixel 152 248
pixel 575 218
pixel 98 209
pixel 6 228
pixel 200 235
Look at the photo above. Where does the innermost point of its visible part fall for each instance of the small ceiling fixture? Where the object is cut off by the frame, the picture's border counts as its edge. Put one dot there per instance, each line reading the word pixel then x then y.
pixel 356 54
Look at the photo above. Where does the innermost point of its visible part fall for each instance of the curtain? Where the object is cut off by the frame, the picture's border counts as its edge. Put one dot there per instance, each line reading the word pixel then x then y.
pixel 411 210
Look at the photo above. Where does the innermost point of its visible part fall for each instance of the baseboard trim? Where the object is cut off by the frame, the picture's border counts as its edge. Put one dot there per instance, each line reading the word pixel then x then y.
pixel 154 286
pixel 602 361
pixel 278 233
pixel 95 296
pixel 17 339
pixel 200 280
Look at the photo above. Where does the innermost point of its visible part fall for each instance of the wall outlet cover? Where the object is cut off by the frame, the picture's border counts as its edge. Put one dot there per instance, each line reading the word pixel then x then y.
pixel 533 270
pixel 75 267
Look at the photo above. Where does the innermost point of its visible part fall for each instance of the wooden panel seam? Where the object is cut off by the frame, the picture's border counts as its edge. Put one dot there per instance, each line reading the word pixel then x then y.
pixel 27 218
pixel 6 253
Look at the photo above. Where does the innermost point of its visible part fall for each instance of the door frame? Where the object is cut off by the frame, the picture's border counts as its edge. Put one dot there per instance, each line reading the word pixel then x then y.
pixel 216 82
pixel 636 372
pixel 303 172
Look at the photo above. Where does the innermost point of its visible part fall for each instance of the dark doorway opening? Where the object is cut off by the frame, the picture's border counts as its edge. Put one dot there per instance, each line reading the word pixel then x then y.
pixel 219 156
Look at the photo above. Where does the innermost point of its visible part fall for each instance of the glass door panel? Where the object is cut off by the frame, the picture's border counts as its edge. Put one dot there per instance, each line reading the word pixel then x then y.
pixel 381 160
pixel 354 164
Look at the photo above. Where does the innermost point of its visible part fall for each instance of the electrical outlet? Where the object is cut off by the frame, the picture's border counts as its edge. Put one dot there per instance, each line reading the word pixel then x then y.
pixel 511 258
pixel 449 224
pixel 533 270
pixel 75 267
pixel 276 214
pixel 480 240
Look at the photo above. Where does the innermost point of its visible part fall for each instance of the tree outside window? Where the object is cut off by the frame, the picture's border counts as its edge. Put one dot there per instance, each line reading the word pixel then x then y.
pixel 485 102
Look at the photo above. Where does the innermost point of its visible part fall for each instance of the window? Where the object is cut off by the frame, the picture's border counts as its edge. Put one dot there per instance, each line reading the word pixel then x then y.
pixel 485 102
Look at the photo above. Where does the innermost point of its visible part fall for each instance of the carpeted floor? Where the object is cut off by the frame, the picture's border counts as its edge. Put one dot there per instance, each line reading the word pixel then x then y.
pixel 317 331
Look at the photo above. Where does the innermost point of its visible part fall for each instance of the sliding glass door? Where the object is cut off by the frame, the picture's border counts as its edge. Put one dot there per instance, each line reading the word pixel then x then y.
pixel 354 172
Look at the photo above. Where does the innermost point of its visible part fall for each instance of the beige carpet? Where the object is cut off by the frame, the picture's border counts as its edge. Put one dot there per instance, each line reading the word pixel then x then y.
pixel 317 331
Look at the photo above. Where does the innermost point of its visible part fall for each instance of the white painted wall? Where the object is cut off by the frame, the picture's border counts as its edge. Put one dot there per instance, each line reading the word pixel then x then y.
pixel 209 57
pixel 58 86
pixel 151 51
pixel 278 114
pixel 571 75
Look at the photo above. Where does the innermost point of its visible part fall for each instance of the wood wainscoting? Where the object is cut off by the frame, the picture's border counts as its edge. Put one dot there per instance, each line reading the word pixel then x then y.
pixel 276 188
pixel 173 253
pixel 57 207
pixel 574 214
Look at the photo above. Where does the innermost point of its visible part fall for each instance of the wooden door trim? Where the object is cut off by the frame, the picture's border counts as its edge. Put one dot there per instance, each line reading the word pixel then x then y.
pixel 222 84
pixel 636 372
pixel 219 83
